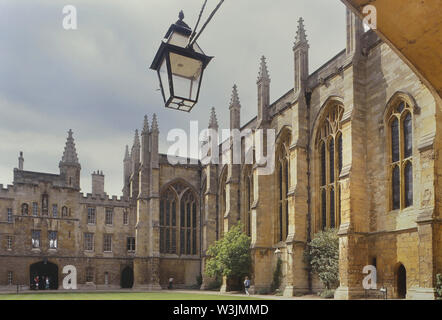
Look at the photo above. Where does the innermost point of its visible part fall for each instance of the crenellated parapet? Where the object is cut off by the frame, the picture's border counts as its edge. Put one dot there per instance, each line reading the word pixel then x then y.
pixel 6 192
pixel 103 200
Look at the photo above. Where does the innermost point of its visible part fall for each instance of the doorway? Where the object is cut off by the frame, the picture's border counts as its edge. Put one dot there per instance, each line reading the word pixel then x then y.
pixel 127 278
pixel 401 282
pixel 43 270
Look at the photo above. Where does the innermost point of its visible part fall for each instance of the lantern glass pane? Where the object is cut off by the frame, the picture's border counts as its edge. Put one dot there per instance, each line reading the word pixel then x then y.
pixel 164 78
pixel 186 76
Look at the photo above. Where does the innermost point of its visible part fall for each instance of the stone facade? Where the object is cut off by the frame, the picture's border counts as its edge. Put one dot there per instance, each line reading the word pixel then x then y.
pixel 175 212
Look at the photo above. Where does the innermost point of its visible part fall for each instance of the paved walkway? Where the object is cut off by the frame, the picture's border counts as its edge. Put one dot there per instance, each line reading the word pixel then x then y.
pixel 233 294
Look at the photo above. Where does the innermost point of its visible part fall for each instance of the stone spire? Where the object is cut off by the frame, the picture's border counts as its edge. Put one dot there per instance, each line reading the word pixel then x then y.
pixel 213 122
pixel 263 74
pixel 136 139
pixel 145 125
pixel 301 58
pixel 70 154
pixel 234 101
pixel 235 110
pixel 155 124
pixel 263 84
pixel 300 34
pixel 127 155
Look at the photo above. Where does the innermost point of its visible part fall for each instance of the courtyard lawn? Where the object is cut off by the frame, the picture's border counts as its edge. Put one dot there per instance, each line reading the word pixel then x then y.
pixel 122 296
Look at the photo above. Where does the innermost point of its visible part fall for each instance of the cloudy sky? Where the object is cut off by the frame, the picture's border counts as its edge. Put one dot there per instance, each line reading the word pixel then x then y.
pixel 95 80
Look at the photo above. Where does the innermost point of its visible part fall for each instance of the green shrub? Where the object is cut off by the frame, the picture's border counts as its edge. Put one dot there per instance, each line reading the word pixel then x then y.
pixel 215 284
pixel 277 274
pixel 322 255
pixel 327 294
pixel 263 291
pixel 439 285
pixel 230 256
pixel 199 280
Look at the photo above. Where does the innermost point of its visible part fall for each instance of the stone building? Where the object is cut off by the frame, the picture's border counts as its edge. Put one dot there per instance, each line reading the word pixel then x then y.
pixel 356 149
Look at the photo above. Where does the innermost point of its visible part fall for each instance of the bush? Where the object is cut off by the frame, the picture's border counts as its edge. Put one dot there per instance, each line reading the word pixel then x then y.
pixel 199 280
pixel 439 285
pixel 277 274
pixel 263 291
pixel 327 294
pixel 215 284
pixel 322 255
pixel 230 256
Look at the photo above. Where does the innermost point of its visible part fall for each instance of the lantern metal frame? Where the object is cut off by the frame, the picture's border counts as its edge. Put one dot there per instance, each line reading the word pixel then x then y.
pixel 188 52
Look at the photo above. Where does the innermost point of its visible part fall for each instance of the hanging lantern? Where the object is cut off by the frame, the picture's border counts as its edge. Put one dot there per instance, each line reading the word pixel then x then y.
pixel 180 67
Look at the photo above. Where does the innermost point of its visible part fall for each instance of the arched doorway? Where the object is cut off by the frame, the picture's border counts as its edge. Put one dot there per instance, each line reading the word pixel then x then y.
pixel 43 270
pixel 127 278
pixel 401 282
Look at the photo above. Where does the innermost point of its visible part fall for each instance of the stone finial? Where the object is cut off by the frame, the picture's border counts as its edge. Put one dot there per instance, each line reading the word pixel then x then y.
pixel 234 101
pixel 126 154
pixel 181 15
pixel 136 139
pixel 263 72
pixel 21 160
pixel 145 125
pixel 213 121
pixel 155 124
pixel 70 153
pixel 301 36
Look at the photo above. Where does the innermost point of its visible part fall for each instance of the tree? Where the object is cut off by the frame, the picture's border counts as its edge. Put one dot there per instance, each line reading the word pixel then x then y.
pixel 322 254
pixel 230 256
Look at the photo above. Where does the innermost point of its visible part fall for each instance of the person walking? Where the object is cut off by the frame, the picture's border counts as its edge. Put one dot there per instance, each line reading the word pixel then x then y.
pixel 247 285
pixel 36 282
pixel 47 283
pixel 170 283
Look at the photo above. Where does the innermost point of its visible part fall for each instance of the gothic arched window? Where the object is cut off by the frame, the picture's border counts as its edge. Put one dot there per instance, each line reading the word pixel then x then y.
pixel 248 200
pixel 329 150
pixel 400 123
pixel 282 171
pixel 178 220
pixel 222 205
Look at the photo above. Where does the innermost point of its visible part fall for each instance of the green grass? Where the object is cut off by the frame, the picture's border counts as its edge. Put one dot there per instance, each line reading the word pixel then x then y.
pixel 121 296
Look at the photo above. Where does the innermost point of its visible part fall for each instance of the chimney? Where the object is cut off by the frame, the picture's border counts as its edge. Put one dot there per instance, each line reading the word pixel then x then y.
pixel 98 183
pixel 21 160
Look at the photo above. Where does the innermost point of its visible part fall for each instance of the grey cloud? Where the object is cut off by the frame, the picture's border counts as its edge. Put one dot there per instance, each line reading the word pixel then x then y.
pixel 96 80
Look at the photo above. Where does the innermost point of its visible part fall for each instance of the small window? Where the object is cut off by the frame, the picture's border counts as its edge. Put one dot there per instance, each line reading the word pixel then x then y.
pixel 125 218
pixel 54 210
pixel 35 209
pixel 10 220
pixel 91 215
pixel 89 275
pixel 107 243
pixel 9 242
pixel 109 219
pixel 89 241
pixel 106 278
pixel 131 244
pixel 52 236
pixel 36 239
pixel 10 277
